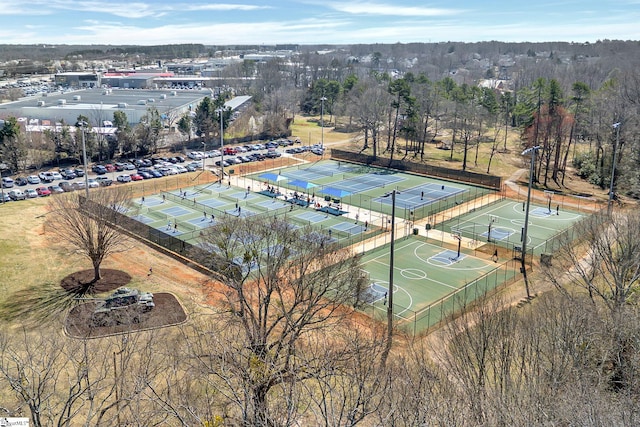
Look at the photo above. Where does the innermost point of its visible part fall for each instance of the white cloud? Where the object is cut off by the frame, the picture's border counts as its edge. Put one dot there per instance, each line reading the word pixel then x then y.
pixel 365 8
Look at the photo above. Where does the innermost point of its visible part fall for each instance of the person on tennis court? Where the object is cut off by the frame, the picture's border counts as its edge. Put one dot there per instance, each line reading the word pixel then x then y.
pixel 494 257
pixel 421 195
pixel 163 198
pixel 204 216
pixel 557 209
pixel 212 218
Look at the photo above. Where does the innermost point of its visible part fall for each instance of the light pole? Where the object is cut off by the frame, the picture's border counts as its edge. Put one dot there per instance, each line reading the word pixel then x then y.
pixel 322 122
pixel 204 153
pixel 83 125
pixel 616 126
pixel 391 262
pixel 533 151
pixel 220 111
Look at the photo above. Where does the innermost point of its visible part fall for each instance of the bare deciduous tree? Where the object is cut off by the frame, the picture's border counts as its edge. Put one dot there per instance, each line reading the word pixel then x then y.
pixel 89 225
pixel 282 286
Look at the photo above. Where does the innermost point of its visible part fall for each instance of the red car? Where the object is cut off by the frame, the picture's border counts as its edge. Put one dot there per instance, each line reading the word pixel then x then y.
pixel 230 151
pixel 43 191
pixel 110 168
pixel 136 177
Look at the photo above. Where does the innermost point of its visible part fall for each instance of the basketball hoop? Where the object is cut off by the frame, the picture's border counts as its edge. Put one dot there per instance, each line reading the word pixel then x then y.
pixel 549 195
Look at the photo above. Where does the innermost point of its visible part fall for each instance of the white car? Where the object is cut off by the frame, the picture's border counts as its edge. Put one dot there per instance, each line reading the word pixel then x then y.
pixel 57 176
pixel 124 178
pixel 93 183
pixel 194 155
pixel 33 179
pixel 17 195
pixel 30 193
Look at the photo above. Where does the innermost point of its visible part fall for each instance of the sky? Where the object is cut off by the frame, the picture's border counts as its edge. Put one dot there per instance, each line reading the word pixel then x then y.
pixel 237 22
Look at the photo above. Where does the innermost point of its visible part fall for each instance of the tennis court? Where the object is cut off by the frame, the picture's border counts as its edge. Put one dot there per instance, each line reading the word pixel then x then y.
pixel 429 280
pixel 183 214
pixel 502 223
pixel 368 188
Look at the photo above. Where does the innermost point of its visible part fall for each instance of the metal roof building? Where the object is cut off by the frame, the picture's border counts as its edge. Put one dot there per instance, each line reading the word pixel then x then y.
pixel 100 104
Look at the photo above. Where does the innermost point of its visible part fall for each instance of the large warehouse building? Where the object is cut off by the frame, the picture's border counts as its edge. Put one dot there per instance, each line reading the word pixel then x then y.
pixel 100 104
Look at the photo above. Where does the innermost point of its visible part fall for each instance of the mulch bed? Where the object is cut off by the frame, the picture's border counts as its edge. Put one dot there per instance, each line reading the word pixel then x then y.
pixel 167 312
pixel 82 281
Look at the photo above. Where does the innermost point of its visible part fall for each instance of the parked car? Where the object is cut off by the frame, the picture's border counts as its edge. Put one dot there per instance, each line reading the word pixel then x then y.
pixel 229 151
pixel 68 173
pixel 43 191
pixel 30 193
pixel 17 194
pixel 79 185
pixel 56 176
pixel 5 198
pixel 258 156
pixel 92 183
pixel 180 159
pixel 33 179
pixel 99 169
pixel 66 186
pixel 145 174
pixel 136 177
pixel 225 163
pixel 45 177
pixel 180 169
pixel 194 155
pixel 156 173
pixel 21 181
pixel 104 181
pixel 123 178
pixel 272 154
pixel 55 189
pixel 79 172
pixel 196 165
pixel 7 182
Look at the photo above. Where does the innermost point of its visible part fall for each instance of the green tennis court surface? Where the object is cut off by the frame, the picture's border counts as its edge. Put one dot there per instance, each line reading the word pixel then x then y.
pixel 368 187
pixel 429 281
pixel 502 223
pixel 183 214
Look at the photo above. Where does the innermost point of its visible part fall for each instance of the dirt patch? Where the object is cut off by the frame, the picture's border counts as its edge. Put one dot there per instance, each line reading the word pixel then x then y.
pixel 167 312
pixel 81 282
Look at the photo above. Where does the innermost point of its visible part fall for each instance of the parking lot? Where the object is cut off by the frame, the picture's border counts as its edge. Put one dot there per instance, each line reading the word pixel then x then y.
pixel 49 182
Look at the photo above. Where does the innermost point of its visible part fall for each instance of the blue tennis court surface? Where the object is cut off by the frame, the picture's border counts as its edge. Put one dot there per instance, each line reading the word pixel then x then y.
pixel 212 203
pixel 312 217
pixel 367 182
pixel 175 211
pixel 152 201
pixel 143 219
pixel 349 228
pixel 272 204
pixel 201 222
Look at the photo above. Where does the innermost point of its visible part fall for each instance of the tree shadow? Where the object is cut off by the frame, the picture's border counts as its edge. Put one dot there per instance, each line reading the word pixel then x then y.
pixel 39 304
